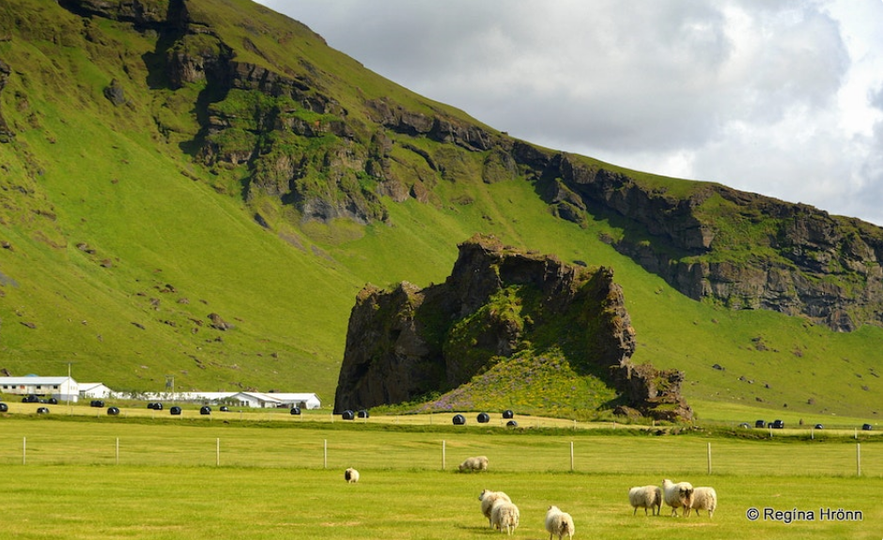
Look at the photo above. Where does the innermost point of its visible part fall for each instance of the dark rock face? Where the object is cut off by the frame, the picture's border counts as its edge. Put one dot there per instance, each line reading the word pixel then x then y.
pixel 806 263
pixel 405 342
pixel 6 134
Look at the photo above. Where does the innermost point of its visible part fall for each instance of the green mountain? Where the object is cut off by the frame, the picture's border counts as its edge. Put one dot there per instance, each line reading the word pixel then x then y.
pixel 199 190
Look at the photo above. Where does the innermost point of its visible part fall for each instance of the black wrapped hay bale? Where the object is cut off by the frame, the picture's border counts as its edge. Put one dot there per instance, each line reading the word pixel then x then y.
pixel 295 411
pixel 175 410
pixel 483 418
pixel 364 413
pixel 205 410
pixel 512 423
pixel 508 414
pixel 348 415
pixel 113 411
pixel 42 410
pixel 459 420
pixel 4 407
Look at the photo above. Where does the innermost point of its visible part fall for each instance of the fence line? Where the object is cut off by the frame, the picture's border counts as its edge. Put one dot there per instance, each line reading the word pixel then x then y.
pixel 417 455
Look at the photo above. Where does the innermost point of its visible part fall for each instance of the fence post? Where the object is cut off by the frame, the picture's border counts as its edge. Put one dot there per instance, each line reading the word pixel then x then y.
pixel 858 458
pixel 571 456
pixel 709 458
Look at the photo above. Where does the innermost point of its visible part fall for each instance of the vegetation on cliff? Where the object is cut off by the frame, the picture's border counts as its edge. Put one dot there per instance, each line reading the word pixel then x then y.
pixel 163 161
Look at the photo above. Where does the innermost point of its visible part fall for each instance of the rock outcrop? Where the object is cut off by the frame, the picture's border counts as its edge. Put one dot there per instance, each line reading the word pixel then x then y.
pixel 406 342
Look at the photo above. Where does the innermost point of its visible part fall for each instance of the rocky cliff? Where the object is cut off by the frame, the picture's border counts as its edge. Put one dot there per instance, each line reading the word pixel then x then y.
pixel 406 342
pixel 739 249
pixel 310 141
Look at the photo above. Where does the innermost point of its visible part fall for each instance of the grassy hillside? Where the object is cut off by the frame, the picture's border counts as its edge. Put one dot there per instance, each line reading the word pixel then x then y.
pixel 121 241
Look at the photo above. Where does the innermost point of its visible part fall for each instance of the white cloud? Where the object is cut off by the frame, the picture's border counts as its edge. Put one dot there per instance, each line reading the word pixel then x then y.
pixel 782 98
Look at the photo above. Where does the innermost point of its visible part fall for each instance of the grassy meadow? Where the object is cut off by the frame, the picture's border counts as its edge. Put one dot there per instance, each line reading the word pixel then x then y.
pixel 196 477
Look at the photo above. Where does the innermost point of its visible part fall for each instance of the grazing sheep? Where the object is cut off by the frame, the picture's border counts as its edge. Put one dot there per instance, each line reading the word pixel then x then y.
pixel 488 498
pixel 646 497
pixel 478 463
pixel 504 516
pixel 558 522
pixel 704 498
pixel 678 495
pixel 351 475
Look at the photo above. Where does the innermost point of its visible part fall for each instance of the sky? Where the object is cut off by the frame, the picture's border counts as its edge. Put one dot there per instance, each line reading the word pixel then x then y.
pixel 782 98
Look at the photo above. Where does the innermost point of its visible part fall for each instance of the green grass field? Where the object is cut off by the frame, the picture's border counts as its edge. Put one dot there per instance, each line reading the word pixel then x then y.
pixel 259 477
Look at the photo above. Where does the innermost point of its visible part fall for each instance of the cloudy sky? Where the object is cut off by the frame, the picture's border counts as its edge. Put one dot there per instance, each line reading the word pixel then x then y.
pixel 782 97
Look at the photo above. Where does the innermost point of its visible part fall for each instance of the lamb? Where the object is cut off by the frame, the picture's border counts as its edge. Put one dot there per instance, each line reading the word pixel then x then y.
pixel 558 522
pixel 505 515
pixel 478 463
pixel 351 475
pixel 704 498
pixel 646 497
pixel 678 495
pixel 488 498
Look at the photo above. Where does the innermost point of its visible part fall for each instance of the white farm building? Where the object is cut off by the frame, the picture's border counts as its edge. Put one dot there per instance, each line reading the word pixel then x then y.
pixel 262 400
pixel 60 388
pixel 66 388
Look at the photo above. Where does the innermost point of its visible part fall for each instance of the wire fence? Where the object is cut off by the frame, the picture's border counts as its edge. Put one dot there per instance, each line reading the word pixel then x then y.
pixel 180 446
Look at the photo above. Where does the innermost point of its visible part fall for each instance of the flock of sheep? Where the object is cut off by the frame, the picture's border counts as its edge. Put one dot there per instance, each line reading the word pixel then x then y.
pixel 676 495
pixel 503 515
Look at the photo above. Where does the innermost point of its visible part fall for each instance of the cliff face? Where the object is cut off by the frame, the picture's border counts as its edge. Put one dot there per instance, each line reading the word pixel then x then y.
pixel 406 342
pixel 329 151
pixel 742 250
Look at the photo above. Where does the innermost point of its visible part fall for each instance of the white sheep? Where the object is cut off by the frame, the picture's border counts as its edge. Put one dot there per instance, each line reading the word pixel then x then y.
pixel 678 495
pixel 504 516
pixel 478 463
pixel 558 522
pixel 488 498
pixel 351 475
pixel 704 498
pixel 646 497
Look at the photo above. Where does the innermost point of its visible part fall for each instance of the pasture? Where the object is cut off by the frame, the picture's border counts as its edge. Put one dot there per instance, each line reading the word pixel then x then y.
pixel 143 478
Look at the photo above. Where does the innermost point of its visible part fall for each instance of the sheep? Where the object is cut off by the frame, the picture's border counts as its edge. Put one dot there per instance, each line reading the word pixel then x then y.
pixel 678 495
pixel 504 515
pixel 558 522
pixel 488 498
pixel 478 463
pixel 704 498
pixel 646 497
pixel 351 475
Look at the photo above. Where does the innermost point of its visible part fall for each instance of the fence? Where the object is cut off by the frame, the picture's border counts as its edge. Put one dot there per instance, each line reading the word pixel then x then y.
pixel 314 448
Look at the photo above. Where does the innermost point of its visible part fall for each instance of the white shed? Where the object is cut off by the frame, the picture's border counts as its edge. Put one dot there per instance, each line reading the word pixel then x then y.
pixel 95 391
pixel 61 388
